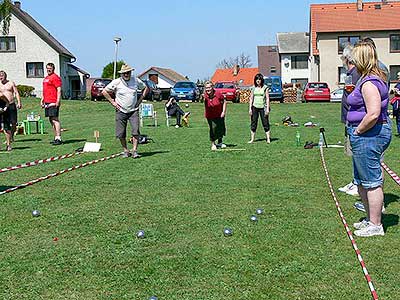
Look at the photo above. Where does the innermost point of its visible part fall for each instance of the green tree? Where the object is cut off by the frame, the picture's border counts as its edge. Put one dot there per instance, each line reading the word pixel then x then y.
pixel 108 69
pixel 5 15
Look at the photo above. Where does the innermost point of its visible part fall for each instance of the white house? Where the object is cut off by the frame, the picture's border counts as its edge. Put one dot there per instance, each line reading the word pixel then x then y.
pixel 293 48
pixel 164 78
pixel 26 50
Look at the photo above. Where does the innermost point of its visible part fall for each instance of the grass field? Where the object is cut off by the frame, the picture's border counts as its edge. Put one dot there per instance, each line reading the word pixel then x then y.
pixel 183 195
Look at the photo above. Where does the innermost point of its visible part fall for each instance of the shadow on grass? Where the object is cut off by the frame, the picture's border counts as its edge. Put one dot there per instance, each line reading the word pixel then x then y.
pixel 21 148
pixel 27 140
pixel 74 141
pixel 144 154
pixel 389 220
pixel 389 198
pixel 3 188
pixel 263 140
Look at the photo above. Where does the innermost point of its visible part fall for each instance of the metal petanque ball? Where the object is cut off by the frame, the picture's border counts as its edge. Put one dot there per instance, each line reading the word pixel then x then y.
pixel 36 213
pixel 140 234
pixel 186 105
pixel 253 218
pixel 153 298
pixel 259 211
pixel 228 231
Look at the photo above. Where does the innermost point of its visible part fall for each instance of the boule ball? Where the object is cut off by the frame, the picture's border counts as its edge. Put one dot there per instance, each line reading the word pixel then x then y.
pixel 153 298
pixel 259 211
pixel 253 218
pixel 140 234
pixel 36 213
pixel 186 105
pixel 228 231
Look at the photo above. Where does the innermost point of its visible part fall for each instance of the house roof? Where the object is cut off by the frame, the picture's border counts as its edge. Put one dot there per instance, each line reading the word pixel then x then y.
pixel 344 17
pixel 40 31
pixel 79 70
pixel 169 73
pixel 245 74
pixel 293 42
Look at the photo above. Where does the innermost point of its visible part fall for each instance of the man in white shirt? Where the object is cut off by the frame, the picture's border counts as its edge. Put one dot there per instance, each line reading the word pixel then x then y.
pixel 126 106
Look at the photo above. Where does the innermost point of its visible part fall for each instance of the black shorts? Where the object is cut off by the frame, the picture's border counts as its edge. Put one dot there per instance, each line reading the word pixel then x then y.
pixel 9 117
pixel 52 111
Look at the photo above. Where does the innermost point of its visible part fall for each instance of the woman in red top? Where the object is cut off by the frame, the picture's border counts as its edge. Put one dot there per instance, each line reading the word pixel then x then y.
pixel 215 109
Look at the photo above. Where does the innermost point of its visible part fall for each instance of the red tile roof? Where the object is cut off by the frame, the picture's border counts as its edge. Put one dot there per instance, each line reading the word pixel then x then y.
pixel 245 74
pixel 344 17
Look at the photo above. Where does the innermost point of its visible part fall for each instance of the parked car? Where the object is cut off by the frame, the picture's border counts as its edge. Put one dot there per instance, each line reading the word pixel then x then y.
pixel 336 95
pixel 316 91
pixel 274 84
pixel 97 88
pixel 185 90
pixel 229 89
pixel 154 92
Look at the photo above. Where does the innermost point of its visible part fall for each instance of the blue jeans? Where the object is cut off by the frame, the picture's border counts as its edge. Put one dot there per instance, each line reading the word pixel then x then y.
pixel 368 149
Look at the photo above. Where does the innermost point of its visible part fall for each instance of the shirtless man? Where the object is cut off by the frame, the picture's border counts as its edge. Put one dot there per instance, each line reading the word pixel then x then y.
pixel 8 93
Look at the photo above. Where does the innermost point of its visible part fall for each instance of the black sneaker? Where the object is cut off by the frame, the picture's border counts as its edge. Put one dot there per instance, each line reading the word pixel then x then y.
pixel 57 142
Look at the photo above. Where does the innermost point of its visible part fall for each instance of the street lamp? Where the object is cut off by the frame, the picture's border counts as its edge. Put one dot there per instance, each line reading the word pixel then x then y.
pixel 116 40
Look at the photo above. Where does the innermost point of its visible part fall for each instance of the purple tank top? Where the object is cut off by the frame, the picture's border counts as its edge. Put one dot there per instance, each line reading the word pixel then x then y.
pixel 357 109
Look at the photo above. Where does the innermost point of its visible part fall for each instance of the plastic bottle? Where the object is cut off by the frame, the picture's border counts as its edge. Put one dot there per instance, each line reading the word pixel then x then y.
pixel 321 140
pixel 298 138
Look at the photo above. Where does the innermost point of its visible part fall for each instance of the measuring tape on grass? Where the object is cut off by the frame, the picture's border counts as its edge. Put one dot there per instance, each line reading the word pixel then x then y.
pixel 348 231
pixel 391 173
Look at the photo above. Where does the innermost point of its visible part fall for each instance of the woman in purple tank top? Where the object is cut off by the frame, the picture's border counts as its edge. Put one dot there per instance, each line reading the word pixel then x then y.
pixel 369 129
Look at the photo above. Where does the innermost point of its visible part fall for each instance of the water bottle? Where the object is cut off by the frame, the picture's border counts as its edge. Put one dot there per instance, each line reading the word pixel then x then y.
pixel 321 140
pixel 297 138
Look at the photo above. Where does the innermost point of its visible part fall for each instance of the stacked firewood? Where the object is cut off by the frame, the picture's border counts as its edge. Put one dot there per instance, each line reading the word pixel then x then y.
pixel 244 95
pixel 290 95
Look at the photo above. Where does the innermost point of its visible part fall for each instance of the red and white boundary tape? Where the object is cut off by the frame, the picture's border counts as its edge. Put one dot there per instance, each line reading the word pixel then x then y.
pixel 392 174
pixel 38 162
pixel 23 185
pixel 348 231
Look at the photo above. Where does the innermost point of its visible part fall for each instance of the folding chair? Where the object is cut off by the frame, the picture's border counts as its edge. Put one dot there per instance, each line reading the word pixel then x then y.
pixel 146 111
pixel 167 117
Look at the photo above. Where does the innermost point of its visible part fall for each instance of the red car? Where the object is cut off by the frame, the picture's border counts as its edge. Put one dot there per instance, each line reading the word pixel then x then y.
pixel 229 89
pixel 316 91
pixel 97 88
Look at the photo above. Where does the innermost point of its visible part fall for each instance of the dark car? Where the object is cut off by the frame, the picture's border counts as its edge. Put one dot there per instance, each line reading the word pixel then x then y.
pixel 154 93
pixel 185 90
pixel 316 91
pixel 97 88
pixel 274 84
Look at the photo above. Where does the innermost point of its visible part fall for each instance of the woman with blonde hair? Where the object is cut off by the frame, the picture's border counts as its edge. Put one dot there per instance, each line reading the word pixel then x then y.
pixel 369 129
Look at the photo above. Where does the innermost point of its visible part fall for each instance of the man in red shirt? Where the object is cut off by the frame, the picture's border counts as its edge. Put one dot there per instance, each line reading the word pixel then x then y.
pixel 215 109
pixel 51 101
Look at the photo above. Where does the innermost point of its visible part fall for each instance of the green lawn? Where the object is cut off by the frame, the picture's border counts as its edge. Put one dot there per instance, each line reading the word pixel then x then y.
pixel 183 195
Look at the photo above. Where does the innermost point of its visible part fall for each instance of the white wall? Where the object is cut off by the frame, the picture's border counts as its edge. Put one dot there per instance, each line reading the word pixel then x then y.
pixel 163 82
pixel 288 73
pixel 29 48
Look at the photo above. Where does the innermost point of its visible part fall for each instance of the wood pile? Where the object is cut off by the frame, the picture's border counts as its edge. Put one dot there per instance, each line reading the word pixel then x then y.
pixel 244 96
pixel 290 95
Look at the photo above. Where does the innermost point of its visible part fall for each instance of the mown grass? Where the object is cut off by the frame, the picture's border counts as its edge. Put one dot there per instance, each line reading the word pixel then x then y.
pixel 183 195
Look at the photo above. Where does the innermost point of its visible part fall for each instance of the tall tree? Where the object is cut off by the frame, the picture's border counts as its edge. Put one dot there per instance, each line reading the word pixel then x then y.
pixel 5 15
pixel 109 68
pixel 243 61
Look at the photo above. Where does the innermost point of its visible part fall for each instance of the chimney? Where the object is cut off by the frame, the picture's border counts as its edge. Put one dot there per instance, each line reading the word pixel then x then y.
pixel 359 5
pixel 236 70
pixel 17 4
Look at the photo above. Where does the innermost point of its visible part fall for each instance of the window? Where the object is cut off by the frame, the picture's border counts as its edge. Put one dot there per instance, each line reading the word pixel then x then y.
pixel 342 74
pixel 395 43
pixel 343 41
pixel 7 44
pixel 34 70
pixel 299 62
pixel 393 72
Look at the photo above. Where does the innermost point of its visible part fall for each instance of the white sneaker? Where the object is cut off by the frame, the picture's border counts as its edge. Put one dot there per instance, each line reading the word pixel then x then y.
pixel 360 225
pixel 222 145
pixel 345 188
pixel 353 191
pixel 370 230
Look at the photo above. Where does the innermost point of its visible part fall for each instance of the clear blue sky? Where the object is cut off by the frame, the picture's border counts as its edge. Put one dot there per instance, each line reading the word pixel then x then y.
pixel 190 37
